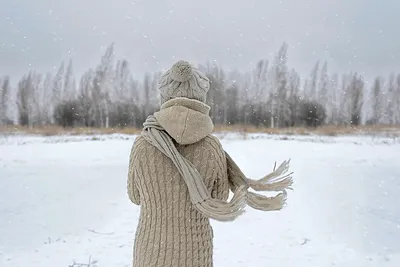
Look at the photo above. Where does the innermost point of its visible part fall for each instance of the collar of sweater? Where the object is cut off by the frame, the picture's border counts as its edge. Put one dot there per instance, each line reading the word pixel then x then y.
pixel 187 121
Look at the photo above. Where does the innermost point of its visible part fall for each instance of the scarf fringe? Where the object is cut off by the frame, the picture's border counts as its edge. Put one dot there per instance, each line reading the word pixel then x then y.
pixel 263 203
pixel 278 180
pixel 222 210
pixel 199 194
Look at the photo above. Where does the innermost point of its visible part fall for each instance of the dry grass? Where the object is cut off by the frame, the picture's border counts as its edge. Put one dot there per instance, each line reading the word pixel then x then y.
pixel 325 130
pixel 57 130
pixel 330 130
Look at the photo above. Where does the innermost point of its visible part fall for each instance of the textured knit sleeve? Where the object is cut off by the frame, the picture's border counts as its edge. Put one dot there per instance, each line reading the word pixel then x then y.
pixel 133 191
pixel 221 183
pixel 236 178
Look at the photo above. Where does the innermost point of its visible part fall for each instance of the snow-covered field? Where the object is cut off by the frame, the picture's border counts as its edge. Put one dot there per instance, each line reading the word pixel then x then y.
pixel 63 199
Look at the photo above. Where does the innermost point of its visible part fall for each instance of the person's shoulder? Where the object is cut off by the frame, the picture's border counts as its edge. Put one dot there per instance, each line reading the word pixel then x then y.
pixel 214 144
pixel 139 145
pixel 139 141
pixel 212 140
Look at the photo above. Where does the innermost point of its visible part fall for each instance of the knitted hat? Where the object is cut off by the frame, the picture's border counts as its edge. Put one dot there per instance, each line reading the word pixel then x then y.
pixel 183 80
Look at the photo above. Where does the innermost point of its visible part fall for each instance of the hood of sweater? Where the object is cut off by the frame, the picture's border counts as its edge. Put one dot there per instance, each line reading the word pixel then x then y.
pixel 186 120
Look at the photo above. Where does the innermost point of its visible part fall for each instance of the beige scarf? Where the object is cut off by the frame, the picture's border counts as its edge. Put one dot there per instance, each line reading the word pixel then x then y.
pixel 277 180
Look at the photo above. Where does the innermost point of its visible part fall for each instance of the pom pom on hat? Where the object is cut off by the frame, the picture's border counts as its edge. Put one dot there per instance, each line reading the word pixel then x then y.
pixel 181 71
pixel 183 80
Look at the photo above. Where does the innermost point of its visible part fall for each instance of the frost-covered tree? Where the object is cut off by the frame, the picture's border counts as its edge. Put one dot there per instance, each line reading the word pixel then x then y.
pixel 396 102
pixel 102 84
pixel 376 101
pixel 147 92
pixel 85 99
pixel 215 97
pixel 121 81
pixel 25 101
pixel 312 86
pixel 5 96
pixel 343 97
pixel 267 95
pixel 58 85
pixel 69 89
pixel 280 105
pixel 356 94
pixel 323 91
pixel 334 99
pixel 294 98
pixel 44 98
pixel 259 81
pixel 390 100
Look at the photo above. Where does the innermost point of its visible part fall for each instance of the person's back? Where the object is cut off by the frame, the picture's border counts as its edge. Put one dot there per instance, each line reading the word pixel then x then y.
pixel 181 177
pixel 171 232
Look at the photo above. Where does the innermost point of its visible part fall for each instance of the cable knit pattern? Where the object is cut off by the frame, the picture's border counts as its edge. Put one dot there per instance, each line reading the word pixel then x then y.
pixel 171 233
pixel 180 176
pixel 183 80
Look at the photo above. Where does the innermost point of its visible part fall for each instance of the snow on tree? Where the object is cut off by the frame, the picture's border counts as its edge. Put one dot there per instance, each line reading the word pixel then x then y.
pixel 323 90
pixel 294 98
pixel 312 91
pixel 5 96
pixel 85 99
pixel 390 100
pixel 58 86
pixel 102 84
pixel 267 95
pixel 279 70
pixel 69 89
pixel 396 103
pixel 376 101
pixel 334 100
pixel 355 91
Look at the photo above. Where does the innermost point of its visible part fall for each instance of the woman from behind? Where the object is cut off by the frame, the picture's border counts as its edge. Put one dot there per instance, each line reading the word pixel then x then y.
pixel 181 177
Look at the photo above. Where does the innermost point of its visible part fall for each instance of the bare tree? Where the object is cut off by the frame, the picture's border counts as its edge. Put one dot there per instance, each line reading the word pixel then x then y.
pixel 311 92
pixel 45 100
pixel 397 100
pixel 259 81
pixel 281 109
pixel 390 100
pixel 69 90
pixel 86 111
pixel 4 100
pixel 58 85
pixel 133 91
pixel 294 98
pixel 356 91
pixel 24 100
pixel 268 95
pixel 102 84
pixel 334 99
pixel 121 81
pixel 232 104
pixel 216 93
pixel 147 92
pixel 37 99
pixel 324 89
pixel 376 101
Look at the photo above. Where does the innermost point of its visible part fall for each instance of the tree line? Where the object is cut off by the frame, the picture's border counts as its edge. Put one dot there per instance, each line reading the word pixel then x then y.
pixel 270 95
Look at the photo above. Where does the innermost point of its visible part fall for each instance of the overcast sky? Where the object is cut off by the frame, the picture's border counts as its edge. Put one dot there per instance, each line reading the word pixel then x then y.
pixel 361 35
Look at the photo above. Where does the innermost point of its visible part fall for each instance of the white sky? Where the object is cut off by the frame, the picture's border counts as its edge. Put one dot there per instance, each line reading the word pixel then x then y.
pixel 360 35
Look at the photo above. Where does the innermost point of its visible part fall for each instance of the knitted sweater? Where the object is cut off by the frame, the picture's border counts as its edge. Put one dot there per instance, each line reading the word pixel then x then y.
pixel 171 233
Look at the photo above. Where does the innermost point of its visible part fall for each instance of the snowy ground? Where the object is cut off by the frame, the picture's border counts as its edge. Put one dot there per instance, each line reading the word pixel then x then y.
pixel 63 199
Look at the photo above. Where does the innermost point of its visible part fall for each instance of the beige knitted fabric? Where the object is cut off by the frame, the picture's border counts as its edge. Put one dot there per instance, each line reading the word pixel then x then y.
pixel 171 233
pixel 183 80
pixel 165 178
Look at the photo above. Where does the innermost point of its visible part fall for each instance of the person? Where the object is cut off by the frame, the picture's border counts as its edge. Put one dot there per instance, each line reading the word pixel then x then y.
pixel 181 177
